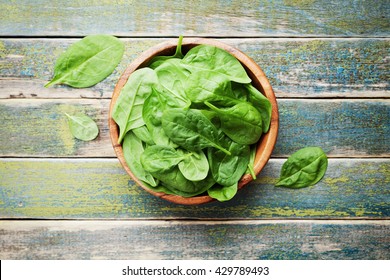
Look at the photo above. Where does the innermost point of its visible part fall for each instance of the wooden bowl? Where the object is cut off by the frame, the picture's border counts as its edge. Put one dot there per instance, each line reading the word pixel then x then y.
pixel 266 143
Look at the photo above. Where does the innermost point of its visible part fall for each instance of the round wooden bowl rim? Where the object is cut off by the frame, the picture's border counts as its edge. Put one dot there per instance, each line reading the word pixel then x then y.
pixel 259 80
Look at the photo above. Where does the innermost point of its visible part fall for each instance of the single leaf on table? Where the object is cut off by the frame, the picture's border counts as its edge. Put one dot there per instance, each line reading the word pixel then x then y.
pixel 88 61
pixel 82 127
pixel 304 168
pixel 190 129
pixel 211 58
pixel 127 111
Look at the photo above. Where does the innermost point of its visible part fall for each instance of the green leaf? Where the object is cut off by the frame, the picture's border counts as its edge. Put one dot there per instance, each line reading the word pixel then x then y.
pixel 160 158
pixel 209 86
pixel 158 60
pixel 304 168
pixel 194 166
pixel 127 111
pixel 211 58
pixel 88 61
pixel 175 181
pixel 262 104
pixel 190 129
pixel 228 169
pixel 82 127
pixel 241 122
pixel 132 150
pixel 223 193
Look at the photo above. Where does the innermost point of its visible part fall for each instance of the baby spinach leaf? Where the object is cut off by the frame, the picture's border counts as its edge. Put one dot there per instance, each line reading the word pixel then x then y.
pixel 250 170
pixel 175 181
pixel 228 169
pixel 82 127
pixel 190 129
pixel 127 111
pixel 88 61
pixel 223 193
pixel 158 60
pixel 172 75
pixel 262 104
pixel 160 158
pixel 303 168
pixel 211 58
pixel 144 134
pixel 132 150
pixel 194 166
pixel 154 106
pixel 241 122
pixel 209 86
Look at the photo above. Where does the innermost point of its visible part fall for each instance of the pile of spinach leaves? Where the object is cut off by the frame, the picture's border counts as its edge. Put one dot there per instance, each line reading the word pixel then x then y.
pixel 189 123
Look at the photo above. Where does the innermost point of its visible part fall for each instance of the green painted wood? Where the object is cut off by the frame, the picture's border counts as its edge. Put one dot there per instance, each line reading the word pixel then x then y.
pixel 295 67
pixel 165 18
pixel 151 240
pixel 97 188
pixel 343 128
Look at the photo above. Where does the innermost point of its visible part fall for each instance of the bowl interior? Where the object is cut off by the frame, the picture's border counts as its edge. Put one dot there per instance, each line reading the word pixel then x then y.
pixel 266 143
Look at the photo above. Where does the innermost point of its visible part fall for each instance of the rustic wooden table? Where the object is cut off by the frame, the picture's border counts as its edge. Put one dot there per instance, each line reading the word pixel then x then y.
pixel 328 62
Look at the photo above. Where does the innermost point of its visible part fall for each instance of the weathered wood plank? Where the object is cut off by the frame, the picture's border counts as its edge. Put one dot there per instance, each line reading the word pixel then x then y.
pixel 96 188
pixel 345 127
pixel 166 240
pixel 232 18
pixel 295 67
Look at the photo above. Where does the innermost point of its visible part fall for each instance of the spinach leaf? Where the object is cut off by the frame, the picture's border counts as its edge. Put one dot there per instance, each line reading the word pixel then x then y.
pixel 223 193
pixel 228 169
pixel 132 150
pixel 88 61
pixel 82 127
pixel 209 86
pixel 303 168
pixel 172 76
pixel 158 60
pixel 143 134
pixel 205 57
pixel 262 104
pixel 194 165
pixel 175 181
pixel 250 170
pixel 190 129
pixel 127 111
pixel 154 106
pixel 241 122
pixel 160 158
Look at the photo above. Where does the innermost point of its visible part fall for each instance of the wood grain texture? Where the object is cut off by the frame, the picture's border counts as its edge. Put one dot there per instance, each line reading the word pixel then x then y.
pixel 342 127
pixel 206 18
pixel 340 240
pixel 295 67
pixel 97 188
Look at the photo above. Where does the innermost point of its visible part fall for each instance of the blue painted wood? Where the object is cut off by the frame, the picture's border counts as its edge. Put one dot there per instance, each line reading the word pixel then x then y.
pixel 223 18
pixel 257 240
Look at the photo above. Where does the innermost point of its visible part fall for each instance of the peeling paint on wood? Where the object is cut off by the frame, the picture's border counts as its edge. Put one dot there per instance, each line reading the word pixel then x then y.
pixel 96 188
pixel 295 67
pixel 359 128
pixel 257 240
pixel 223 18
